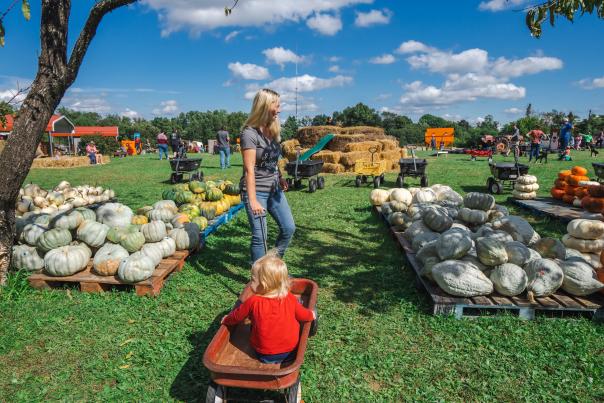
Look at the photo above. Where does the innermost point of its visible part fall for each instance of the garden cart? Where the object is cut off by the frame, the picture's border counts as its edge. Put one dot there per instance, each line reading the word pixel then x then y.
pixel 505 173
pixel 232 361
pixel 303 168
pixel 412 167
pixel 599 169
pixel 364 168
pixel 181 166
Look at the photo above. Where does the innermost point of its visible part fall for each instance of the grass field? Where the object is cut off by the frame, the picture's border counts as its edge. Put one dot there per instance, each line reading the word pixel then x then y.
pixel 375 341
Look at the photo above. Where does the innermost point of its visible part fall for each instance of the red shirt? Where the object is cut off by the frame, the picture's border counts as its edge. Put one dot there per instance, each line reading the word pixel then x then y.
pixel 275 322
pixel 536 135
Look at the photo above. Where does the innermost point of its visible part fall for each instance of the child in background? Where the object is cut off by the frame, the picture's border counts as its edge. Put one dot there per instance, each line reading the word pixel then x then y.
pixel 274 311
pixel 567 156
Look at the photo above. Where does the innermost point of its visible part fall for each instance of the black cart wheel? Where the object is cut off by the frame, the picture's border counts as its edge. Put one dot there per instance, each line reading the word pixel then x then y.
pixel 320 182
pixel 490 181
pixel 293 394
pixel 175 178
pixel 290 183
pixel 357 181
pixel 376 182
pixel 216 393
pixel 424 181
pixel 494 187
pixel 197 176
pixel 312 185
pixel 297 183
pixel 364 179
pixel 400 181
pixel 382 180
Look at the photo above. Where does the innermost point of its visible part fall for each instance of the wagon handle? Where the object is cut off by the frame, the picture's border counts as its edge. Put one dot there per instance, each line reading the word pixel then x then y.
pixel 298 150
pixel 372 150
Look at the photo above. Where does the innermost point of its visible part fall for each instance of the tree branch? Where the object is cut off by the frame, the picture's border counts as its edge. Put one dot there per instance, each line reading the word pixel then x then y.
pixel 97 13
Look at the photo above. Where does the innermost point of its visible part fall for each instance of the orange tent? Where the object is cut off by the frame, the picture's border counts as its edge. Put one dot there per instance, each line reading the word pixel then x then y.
pixel 445 134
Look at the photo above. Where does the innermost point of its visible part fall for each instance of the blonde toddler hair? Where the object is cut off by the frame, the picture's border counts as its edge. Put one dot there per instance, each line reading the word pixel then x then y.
pixel 260 114
pixel 269 274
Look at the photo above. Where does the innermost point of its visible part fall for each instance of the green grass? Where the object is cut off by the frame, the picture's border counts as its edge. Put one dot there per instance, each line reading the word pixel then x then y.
pixel 375 341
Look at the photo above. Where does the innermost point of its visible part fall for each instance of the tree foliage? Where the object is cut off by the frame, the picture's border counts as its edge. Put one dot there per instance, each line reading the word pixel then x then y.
pixel 548 11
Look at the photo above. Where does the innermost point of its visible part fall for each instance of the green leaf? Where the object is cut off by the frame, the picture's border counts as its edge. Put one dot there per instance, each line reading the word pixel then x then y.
pixel 26 10
pixel 1 34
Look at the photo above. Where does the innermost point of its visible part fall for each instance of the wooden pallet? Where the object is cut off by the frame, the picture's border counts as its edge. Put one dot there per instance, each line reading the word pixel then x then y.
pixel 559 305
pixel 554 208
pixel 90 282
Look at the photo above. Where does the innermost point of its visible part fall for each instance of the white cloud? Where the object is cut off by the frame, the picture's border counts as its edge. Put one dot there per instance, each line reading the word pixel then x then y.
pixel 249 71
pixel 383 97
pixel 325 24
pixel 528 65
pixel 83 103
pixel 590 84
pixel 169 107
pixel 334 69
pixel 280 56
pixel 384 59
pixel 13 96
pixel 308 83
pixel 334 59
pixel 471 60
pixel 129 113
pixel 413 47
pixel 513 111
pixel 231 35
pixel 499 5
pixel 373 17
pixel 199 16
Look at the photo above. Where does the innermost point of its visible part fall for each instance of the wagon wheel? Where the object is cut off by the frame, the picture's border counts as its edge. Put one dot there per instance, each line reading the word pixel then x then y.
pixel 376 182
pixel 297 183
pixel 312 185
pixel 364 179
pixel 290 183
pixel 175 178
pixel 357 181
pixel 400 180
pixel 216 393
pixel 320 182
pixel 293 394
pixel 424 181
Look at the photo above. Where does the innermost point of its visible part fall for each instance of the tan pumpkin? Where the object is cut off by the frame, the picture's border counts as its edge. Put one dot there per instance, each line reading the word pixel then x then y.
pixel 107 259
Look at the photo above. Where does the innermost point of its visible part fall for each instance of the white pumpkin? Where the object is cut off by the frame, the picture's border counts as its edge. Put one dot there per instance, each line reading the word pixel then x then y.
pixel 424 195
pixel 161 214
pixel 69 221
pixel 25 257
pixel 461 279
pixel 509 279
pixel 31 233
pixel 168 246
pixel 114 215
pixel 401 195
pixel 92 233
pixel 579 278
pixel 154 231
pixel 526 180
pixel 153 251
pixel 519 195
pixel 378 197
pixel 577 202
pixel 67 260
pixel 186 238
pixel 585 229
pixel 544 278
pixel 583 245
pixel 107 259
pixel 526 188
pixel 166 204
pixel 137 267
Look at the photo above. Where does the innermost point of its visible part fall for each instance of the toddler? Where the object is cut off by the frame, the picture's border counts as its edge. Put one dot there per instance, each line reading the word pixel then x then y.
pixel 274 311
pixel 567 156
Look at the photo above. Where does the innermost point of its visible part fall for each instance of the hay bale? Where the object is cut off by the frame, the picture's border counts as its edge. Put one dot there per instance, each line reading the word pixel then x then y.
pixel 404 153
pixel 65 162
pixel 281 165
pixel 331 157
pixel 349 159
pixel 368 130
pixel 388 144
pixel 333 168
pixel 363 146
pixel 339 142
pixel 289 148
pixel 390 155
pixel 310 135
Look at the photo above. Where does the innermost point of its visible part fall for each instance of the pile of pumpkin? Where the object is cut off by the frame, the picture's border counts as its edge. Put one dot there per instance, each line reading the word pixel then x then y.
pixel 525 188
pixel 469 246
pixel 198 202
pixel 62 244
pixel 64 197
pixel 574 187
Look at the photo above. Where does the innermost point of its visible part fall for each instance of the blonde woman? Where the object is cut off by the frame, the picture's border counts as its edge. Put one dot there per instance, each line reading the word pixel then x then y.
pixel 262 187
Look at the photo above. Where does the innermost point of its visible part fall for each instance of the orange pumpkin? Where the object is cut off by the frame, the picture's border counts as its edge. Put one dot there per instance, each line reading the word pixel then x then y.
pixel 568 199
pixel 580 171
pixel 570 190
pixel 593 204
pixel 574 180
pixel 564 174
pixel 557 193
pixel 601 275
pixel 596 190
pixel 560 183
pixel 580 192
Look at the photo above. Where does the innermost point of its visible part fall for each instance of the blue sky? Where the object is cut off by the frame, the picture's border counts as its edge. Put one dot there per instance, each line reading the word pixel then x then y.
pixel 457 59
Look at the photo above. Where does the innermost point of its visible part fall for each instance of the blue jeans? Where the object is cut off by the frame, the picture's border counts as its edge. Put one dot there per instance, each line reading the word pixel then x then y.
pixel 276 205
pixel 535 148
pixel 225 157
pixel 564 142
pixel 276 358
pixel 163 149
pixel 92 157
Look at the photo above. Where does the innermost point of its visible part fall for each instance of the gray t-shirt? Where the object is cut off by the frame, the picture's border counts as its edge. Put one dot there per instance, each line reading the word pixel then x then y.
pixel 222 138
pixel 268 152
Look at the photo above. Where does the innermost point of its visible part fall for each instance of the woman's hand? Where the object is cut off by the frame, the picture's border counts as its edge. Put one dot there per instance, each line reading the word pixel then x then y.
pixel 256 208
pixel 283 184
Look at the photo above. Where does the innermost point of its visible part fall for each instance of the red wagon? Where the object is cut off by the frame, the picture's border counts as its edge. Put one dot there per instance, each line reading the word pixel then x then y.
pixel 479 153
pixel 232 361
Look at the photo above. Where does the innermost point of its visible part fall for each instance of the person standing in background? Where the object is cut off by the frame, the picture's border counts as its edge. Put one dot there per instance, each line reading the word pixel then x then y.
pixel 162 145
pixel 175 142
pixel 223 142
pixel 535 135
pixel 565 137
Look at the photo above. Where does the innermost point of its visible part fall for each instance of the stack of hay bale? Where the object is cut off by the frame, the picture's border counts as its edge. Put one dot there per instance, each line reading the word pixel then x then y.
pixel 349 145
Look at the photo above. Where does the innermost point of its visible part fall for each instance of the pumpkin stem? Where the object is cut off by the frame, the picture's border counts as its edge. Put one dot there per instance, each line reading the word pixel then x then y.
pixel 531 297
